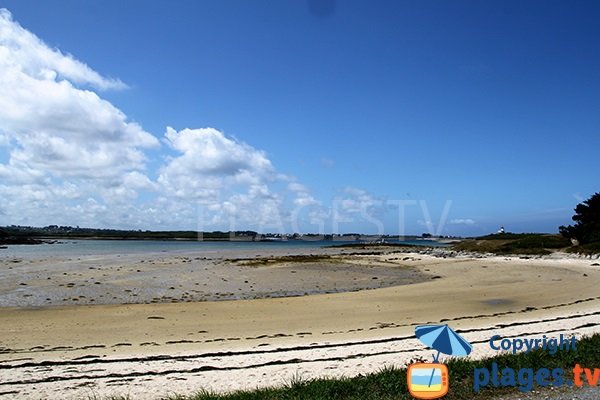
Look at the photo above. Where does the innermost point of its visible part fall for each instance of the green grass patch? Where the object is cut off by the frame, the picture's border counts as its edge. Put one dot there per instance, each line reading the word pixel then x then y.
pixel 510 236
pixel 589 248
pixel 511 243
pixel 390 383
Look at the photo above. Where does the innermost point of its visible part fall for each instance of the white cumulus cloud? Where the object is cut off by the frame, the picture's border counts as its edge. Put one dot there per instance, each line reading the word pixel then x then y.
pixel 462 221
pixel 72 157
pixel 26 52
pixel 210 162
pixel 355 200
pixel 63 141
pixel 303 197
pixel 234 184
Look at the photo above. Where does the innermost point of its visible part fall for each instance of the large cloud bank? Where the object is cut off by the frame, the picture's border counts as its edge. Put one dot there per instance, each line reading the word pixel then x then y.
pixel 68 156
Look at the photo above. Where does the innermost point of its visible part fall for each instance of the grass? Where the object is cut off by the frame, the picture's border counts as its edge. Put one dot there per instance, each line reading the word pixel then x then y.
pixel 589 248
pixel 512 243
pixel 500 243
pixel 390 383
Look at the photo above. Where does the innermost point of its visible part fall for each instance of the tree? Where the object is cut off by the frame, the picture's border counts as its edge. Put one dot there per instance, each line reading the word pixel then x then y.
pixel 587 222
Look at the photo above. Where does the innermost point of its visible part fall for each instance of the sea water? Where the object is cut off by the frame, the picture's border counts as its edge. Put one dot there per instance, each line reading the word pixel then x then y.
pixel 69 248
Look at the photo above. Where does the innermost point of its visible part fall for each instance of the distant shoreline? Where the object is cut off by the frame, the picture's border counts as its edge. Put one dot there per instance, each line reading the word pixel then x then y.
pixel 74 233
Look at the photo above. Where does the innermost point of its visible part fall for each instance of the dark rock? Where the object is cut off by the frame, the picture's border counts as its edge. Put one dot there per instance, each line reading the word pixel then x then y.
pixel 4 240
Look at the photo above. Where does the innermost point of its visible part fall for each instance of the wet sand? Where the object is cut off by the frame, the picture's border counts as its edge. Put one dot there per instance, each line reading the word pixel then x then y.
pixel 190 277
pixel 149 350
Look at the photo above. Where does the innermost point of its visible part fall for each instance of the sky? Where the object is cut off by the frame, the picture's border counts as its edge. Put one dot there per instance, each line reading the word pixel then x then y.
pixel 324 116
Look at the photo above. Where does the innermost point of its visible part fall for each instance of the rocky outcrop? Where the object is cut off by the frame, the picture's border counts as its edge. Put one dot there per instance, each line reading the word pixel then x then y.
pixel 5 239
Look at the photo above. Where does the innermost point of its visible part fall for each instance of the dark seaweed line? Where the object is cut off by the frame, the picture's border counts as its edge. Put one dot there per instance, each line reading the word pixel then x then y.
pixel 206 368
pixel 209 368
pixel 527 309
pixel 270 363
pixel 277 350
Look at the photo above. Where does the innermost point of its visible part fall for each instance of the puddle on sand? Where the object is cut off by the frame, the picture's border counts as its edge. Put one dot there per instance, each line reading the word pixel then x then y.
pixel 498 302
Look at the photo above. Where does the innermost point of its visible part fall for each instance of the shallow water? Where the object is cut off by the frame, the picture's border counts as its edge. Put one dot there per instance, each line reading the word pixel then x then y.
pixel 101 247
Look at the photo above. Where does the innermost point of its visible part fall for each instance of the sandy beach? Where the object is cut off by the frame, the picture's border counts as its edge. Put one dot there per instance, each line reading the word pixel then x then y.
pixel 339 320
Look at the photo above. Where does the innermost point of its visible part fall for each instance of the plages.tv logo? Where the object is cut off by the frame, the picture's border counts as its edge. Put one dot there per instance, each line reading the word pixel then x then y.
pixel 430 380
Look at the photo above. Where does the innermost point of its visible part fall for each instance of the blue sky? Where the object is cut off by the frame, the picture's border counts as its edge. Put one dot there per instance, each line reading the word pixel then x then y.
pixel 470 115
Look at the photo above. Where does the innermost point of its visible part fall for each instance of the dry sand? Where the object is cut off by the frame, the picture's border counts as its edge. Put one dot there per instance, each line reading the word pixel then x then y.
pixel 151 350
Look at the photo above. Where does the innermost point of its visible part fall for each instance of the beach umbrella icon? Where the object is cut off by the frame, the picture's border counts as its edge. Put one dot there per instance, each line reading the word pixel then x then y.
pixel 443 339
